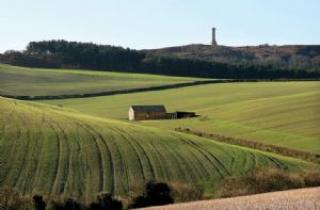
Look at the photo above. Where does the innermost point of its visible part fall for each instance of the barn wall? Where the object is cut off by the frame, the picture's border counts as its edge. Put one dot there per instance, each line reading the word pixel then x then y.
pixel 149 115
pixel 131 114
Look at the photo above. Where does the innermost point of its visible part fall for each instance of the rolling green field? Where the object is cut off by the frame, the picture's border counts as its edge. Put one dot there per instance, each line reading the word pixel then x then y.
pixel 279 113
pixel 56 151
pixel 21 81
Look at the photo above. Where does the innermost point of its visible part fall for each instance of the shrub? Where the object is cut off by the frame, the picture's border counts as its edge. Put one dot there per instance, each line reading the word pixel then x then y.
pixel 312 179
pixel 155 193
pixel 38 203
pixel 105 201
pixel 267 180
pixel 69 204
pixel 10 199
pixel 183 192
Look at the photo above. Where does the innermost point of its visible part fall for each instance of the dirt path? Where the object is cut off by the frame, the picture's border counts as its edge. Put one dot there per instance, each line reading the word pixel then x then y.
pixel 302 199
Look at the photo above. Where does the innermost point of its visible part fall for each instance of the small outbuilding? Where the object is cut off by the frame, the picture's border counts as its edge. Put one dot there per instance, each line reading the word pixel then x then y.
pixel 147 112
pixel 181 114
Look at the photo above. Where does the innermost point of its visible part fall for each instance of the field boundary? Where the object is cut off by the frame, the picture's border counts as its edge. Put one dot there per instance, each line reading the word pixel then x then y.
pixel 144 89
pixel 308 156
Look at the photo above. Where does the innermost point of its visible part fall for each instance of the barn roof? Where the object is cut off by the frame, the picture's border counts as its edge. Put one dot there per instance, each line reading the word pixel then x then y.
pixel 148 108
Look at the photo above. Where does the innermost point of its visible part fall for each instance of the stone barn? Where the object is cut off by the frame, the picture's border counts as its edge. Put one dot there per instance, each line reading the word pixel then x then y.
pixel 147 112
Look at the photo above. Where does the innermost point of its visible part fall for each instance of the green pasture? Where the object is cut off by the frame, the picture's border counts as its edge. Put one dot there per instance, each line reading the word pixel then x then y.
pixel 56 151
pixel 279 113
pixel 21 81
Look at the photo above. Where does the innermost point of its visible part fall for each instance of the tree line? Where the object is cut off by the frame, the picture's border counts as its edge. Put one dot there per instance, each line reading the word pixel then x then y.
pixel 64 54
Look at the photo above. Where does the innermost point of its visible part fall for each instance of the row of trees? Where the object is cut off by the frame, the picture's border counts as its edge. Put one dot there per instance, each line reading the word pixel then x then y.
pixel 63 54
pixel 154 193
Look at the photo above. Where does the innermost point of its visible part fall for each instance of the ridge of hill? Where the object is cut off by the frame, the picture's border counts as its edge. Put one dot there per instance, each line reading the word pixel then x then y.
pixel 286 56
pixel 57 151
pixel 30 83
pixel 262 62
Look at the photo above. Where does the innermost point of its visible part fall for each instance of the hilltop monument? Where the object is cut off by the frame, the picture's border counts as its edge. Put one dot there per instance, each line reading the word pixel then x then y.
pixel 214 41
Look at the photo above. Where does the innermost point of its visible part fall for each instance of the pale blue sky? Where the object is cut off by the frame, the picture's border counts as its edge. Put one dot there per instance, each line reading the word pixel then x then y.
pixel 143 24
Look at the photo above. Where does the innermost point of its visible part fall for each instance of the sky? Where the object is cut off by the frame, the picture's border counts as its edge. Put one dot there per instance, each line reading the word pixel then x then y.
pixel 146 24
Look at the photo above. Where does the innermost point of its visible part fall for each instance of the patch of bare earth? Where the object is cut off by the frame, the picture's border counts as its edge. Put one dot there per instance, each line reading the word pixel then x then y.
pixel 302 199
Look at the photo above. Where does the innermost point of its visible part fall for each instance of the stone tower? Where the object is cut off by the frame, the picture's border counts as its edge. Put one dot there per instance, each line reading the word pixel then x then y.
pixel 214 42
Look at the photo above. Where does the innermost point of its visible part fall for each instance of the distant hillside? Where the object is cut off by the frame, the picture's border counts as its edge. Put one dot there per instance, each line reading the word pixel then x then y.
pixel 289 56
pixel 262 62
pixel 24 82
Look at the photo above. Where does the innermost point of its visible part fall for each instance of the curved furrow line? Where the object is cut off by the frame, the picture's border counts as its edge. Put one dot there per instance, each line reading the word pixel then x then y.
pixel 180 161
pixel 144 154
pixel 247 163
pixel 33 162
pixel 204 170
pixel 207 156
pixel 68 160
pixel 278 163
pixel 6 154
pixel 41 152
pixel 163 161
pixel 121 178
pixel 58 164
pixel 220 163
pixel 284 166
pixel 203 153
pixel 24 160
pixel 99 155
pixel 79 167
pixel 2 152
pixel 274 162
pixel 158 172
pixel 84 158
pixel 123 164
pixel 254 159
pixel 7 150
pixel 121 133
pixel 110 161
pixel 232 164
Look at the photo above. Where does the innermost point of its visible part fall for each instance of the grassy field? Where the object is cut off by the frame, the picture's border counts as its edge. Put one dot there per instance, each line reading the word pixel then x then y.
pixel 279 113
pixel 20 81
pixel 56 151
